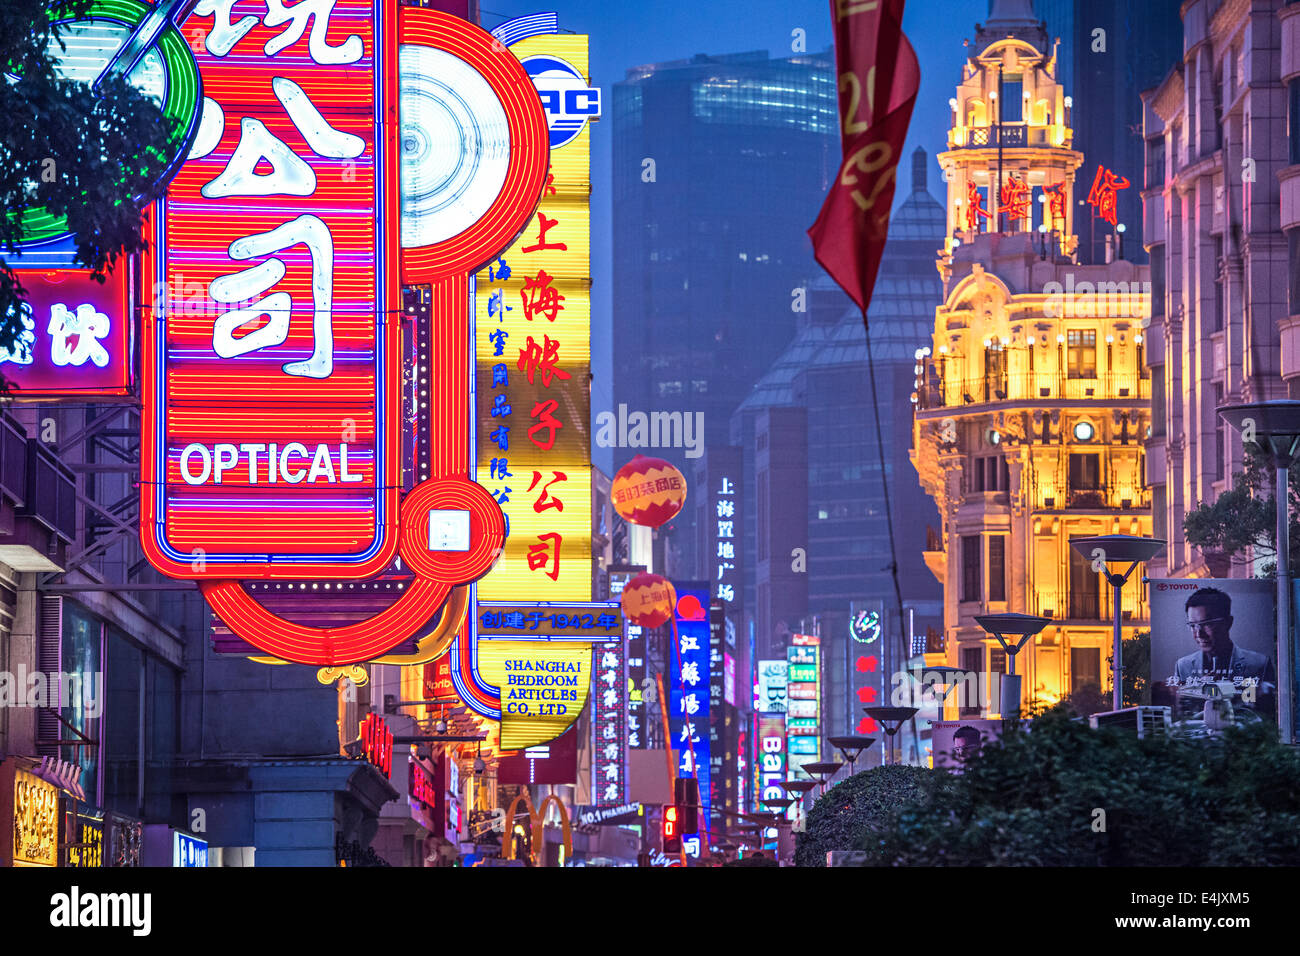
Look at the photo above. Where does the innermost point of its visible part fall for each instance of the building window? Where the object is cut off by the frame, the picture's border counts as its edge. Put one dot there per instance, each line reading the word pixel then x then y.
pixel 970 567
pixel 1293 118
pixel 1085 668
pixel 1158 402
pixel 1293 260
pixel 997 567
pixel 1085 589
pixel 1218 284
pixel 1220 436
pixel 995 372
pixel 991 473
pixel 1085 472
pixel 1158 280
pixel 1081 353
pixel 971 661
pixel 1012 99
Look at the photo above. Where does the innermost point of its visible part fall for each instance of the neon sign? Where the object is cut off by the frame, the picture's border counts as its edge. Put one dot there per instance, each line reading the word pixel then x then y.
pixel 272 363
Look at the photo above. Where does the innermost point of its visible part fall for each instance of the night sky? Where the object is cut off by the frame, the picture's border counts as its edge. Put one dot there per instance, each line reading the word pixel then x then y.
pixel 625 35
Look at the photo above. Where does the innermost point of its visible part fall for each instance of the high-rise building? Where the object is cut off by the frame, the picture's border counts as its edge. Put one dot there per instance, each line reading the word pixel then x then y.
pixel 1033 399
pixel 1221 215
pixel 1109 50
pixel 818 541
pixel 719 165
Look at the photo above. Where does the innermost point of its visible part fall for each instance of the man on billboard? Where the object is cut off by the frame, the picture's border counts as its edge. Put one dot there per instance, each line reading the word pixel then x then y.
pixel 1209 621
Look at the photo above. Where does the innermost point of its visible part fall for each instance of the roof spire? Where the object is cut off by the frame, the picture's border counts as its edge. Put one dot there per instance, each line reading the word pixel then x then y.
pixel 1011 11
pixel 919 171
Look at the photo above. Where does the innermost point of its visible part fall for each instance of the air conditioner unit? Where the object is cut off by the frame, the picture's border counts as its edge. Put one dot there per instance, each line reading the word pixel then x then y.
pixel 1147 721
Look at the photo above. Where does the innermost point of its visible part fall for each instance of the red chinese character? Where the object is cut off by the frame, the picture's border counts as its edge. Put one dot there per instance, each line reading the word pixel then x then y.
pixel 1015 197
pixel 1104 194
pixel 543 358
pixel 550 187
pixel 545 300
pixel 542 244
pixel 538 556
pixel 1056 203
pixel 974 207
pixel 545 422
pixel 547 501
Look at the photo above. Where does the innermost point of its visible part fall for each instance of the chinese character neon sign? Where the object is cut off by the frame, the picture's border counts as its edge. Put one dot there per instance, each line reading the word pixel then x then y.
pixel 272 362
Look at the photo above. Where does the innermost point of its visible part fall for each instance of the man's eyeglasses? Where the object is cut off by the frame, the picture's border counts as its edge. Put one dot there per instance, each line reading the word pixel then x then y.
pixel 1195 626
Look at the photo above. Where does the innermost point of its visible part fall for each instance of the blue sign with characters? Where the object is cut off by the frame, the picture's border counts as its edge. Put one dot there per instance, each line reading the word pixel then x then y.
pixel 188 850
pixel 568 100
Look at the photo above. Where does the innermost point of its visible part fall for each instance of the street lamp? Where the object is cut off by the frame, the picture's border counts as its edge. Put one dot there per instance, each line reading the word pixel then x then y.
pixel 822 770
pixel 948 676
pixel 1118 548
pixel 1275 427
pixel 891 719
pixel 1019 625
pixel 851 745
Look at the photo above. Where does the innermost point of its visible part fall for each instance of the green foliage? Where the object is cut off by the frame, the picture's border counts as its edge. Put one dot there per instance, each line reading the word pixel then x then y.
pixel 851 812
pixel 93 159
pixel 1242 522
pixel 1233 800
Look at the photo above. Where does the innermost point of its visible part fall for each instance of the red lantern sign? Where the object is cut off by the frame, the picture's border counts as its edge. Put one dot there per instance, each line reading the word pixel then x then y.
pixel 648 600
pixel 648 491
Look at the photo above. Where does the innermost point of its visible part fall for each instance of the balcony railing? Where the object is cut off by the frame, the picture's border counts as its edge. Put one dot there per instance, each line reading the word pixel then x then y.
pixel 1032 387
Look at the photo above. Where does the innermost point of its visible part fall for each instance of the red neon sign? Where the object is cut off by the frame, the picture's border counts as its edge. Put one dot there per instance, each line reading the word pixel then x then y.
pixel 218 395
pixel 272 359
pixel 377 743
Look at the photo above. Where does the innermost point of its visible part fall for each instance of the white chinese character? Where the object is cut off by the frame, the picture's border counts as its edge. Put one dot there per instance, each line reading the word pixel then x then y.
pixel 726 529
pixel 611 791
pixel 320 11
pixel 688 762
pixel 610 678
pixel 690 643
pixel 22 353
pixel 242 287
pixel 611 751
pixel 609 733
pixel 727 487
pixel 609 698
pixel 633 739
pixel 609 660
pixel 726 592
pixel 691 845
pixel 726 509
pixel 726 549
pixel 611 772
pixel 84 329
pixel 690 705
pixel 691 673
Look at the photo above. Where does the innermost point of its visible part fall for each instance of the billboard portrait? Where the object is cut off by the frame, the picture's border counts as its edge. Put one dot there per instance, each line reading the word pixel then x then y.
pixel 1213 639
pixel 956 741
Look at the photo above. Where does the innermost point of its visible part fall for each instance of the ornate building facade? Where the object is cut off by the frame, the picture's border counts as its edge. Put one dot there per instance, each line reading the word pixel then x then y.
pixel 1033 402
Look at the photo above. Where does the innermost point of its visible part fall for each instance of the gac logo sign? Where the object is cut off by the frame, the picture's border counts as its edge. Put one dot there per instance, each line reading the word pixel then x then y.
pixel 568 100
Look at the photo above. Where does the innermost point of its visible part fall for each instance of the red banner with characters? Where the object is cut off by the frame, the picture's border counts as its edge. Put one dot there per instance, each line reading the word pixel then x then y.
pixel 878 77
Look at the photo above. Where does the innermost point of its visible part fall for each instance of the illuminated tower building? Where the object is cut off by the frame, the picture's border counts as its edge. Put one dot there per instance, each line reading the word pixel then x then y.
pixel 1033 402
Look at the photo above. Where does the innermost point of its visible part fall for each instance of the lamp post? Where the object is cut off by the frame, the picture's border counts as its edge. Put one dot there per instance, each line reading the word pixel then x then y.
pixel 851 746
pixel 1118 548
pixel 1275 427
pixel 945 675
pixel 1023 626
pixel 891 719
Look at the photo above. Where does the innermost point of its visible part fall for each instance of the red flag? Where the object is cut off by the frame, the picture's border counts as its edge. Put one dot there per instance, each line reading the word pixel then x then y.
pixel 878 80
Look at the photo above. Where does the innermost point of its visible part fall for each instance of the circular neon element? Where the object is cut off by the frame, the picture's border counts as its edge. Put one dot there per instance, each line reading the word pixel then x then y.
pixel 455 145
pixel 167 73
pixel 1083 431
